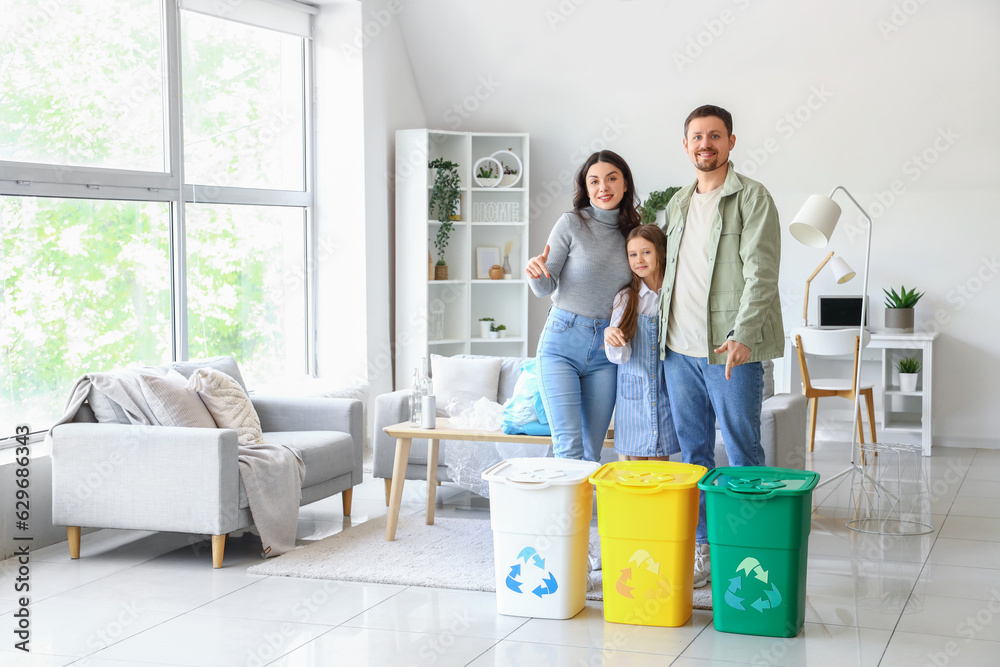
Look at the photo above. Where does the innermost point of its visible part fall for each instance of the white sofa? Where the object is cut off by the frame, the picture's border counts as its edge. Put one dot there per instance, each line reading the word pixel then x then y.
pixel 783 428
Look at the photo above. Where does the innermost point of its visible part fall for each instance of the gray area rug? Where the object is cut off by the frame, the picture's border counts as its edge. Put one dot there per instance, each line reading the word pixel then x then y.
pixel 453 553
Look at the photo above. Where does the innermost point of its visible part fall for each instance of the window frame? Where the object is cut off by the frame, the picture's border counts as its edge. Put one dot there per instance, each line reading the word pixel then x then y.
pixel 28 179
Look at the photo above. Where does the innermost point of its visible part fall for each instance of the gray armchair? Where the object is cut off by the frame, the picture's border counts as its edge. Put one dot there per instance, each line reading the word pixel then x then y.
pixel 115 475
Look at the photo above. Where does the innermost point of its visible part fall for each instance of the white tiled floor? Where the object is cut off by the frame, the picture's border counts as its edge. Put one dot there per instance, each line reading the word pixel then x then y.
pixel 138 598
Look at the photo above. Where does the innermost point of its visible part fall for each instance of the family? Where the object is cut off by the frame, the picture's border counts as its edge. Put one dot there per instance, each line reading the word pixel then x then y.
pixel 669 326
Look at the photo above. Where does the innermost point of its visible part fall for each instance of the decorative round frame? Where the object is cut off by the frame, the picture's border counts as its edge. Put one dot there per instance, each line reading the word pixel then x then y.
pixel 487 182
pixel 520 169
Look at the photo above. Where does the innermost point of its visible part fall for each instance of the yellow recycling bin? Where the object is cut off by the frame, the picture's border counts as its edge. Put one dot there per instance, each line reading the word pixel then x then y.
pixel 647 513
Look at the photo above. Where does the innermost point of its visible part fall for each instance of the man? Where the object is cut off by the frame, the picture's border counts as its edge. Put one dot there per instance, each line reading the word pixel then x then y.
pixel 719 310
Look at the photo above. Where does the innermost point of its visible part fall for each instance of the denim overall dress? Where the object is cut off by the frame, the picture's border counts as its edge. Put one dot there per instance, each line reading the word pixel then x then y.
pixel 643 424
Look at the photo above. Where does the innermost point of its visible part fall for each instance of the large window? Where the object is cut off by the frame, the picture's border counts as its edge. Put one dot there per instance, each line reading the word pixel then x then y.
pixel 81 84
pixel 136 226
pixel 243 97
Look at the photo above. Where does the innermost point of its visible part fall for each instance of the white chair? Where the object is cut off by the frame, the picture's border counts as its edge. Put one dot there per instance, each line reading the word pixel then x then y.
pixel 829 343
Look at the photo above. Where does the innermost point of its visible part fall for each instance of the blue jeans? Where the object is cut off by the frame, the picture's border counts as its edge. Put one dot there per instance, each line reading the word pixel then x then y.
pixel 577 384
pixel 699 394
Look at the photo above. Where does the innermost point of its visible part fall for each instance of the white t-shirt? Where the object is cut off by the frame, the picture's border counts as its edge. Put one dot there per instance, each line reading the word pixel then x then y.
pixel 687 327
pixel 649 304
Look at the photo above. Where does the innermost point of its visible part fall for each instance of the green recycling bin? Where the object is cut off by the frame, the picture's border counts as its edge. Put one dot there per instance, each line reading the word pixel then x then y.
pixel 758 532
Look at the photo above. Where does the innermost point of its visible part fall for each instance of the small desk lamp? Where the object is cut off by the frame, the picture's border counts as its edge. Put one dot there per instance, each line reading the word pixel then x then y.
pixel 841 271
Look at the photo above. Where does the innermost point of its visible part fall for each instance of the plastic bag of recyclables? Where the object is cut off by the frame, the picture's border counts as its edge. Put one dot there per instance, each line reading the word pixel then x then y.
pixel 481 415
pixel 523 412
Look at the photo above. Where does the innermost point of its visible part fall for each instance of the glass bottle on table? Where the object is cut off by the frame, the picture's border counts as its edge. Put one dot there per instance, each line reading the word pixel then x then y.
pixel 427 408
pixel 416 398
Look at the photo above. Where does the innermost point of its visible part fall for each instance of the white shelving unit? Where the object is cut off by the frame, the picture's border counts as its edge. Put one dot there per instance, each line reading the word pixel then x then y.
pixel 907 411
pixel 489 218
pixel 900 412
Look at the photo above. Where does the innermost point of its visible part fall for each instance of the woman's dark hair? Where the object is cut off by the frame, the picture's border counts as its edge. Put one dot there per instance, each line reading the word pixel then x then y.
pixel 628 216
pixel 654 235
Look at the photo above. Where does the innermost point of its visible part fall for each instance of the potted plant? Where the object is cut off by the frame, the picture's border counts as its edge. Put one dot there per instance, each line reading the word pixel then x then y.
pixel 510 176
pixel 488 172
pixel 899 309
pixel 909 371
pixel 484 326
pixel 656 201
pixel 444 203
pixel 497 330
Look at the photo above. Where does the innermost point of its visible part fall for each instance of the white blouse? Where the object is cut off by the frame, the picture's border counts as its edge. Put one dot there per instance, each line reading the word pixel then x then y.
pixel 649 304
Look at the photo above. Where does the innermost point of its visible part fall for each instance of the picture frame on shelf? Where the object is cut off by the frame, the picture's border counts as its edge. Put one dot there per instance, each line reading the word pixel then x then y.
pixel 486 257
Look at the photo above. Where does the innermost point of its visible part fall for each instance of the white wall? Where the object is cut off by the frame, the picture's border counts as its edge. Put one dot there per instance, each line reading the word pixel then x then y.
pixel 821 96
pixel 391 102
pixel 365 91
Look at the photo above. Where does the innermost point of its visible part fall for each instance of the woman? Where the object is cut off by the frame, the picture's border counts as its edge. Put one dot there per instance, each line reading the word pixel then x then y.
pixel 583 267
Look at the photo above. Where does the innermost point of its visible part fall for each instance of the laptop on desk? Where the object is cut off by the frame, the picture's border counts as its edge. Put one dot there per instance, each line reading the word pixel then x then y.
pixel 840 312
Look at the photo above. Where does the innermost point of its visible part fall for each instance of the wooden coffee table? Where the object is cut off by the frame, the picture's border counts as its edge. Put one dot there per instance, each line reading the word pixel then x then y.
pixel 404 434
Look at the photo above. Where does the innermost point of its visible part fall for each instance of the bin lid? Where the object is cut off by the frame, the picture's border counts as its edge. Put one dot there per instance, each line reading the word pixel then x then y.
pixel 649 475
pixel 540 472
pixel 760 480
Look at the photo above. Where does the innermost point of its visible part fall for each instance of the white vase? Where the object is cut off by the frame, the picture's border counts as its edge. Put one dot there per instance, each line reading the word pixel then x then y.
pixel 484 329
pixel 908 381
pixel 493 334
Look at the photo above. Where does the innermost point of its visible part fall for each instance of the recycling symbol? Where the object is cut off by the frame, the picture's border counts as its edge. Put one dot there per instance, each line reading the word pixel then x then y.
pixel 546 581
pixel 752 566
pixel 647 573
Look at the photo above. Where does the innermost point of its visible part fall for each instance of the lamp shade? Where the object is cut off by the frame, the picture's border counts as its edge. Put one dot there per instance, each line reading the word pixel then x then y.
pixel 841 271
pixel 814 224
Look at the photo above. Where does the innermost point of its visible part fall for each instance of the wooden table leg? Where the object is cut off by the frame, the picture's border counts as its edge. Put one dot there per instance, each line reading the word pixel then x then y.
pixel 432 468
pixel 396 493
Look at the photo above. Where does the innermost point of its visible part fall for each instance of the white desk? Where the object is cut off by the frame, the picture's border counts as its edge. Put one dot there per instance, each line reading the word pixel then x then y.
pixel 901 412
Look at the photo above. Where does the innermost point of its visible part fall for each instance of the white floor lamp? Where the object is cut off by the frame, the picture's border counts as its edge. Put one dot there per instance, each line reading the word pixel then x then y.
pixel 813 226
pixel 893 497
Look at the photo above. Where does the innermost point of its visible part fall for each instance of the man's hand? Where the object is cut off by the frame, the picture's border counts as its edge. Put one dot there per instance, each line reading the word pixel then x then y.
pixel 536 265
pixel 737 353
pixel 613 337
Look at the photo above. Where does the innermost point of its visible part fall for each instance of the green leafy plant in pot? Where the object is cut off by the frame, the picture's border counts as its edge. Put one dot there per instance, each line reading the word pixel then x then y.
pixel 908 368
pixel 444 201
pixel 656 201
pixel 899 309
pixel 484 326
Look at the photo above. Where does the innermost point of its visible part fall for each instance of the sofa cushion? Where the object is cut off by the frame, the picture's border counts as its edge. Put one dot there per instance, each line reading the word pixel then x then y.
pixel 326 454
pixel 172 403
pixel 227 365
pixel 228 402
pixel 464 379
pixel 510 370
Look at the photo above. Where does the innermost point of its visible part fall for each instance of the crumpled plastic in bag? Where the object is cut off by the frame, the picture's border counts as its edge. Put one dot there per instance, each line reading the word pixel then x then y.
pixel 482 415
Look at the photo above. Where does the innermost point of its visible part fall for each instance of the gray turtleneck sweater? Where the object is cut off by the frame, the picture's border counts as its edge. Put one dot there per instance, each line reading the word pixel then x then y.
pixel 587 263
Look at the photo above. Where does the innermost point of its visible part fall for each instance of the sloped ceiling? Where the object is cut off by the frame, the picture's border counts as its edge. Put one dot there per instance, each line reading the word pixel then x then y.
pixel 562 69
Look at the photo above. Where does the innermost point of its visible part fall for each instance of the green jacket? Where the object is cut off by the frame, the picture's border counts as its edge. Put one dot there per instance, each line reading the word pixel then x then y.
pixel 744 256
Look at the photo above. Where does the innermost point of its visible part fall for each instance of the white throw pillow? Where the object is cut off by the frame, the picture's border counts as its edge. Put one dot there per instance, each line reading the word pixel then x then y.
pixel 172 403
pixel 464 380
pixel 228 403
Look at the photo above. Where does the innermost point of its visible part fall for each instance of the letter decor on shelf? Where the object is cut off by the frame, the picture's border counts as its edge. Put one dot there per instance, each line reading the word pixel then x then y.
pixel 496 211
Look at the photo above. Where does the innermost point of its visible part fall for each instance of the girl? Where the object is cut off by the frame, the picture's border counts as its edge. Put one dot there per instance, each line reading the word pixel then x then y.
pixel 583 267
pixel 644 428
